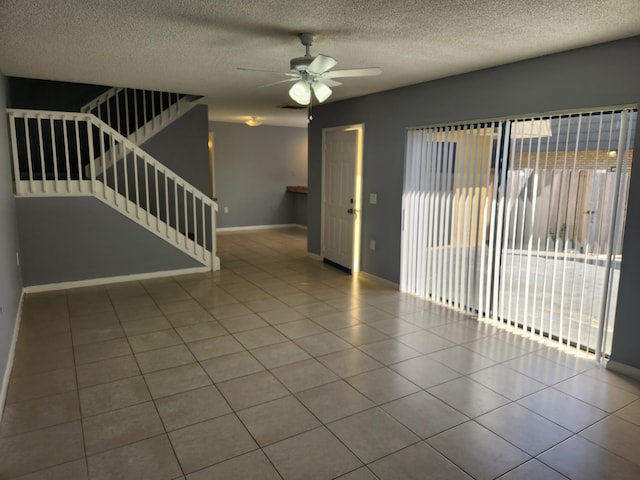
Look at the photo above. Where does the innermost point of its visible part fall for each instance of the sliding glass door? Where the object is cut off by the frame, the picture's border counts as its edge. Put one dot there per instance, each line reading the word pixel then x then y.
pixel 521 220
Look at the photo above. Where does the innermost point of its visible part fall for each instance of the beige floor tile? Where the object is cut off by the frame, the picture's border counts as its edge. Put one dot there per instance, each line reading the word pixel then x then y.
pixel 206 443
pixel 532 470
pixel 347 363
pixel 382 385
pixel 245 392
pixel 496 348
pixel 259 337
pixel 215 347
pixel 507 382
pixel 201 331
pixel 120 427
pixel 231 366
pixel 242 323
pixel 362 473
pixel 179 306
pixel 297 299
pixel 462 360
pixel 154 340
pixel 145 325
pixel 131 311
pixel 361 334
pixel 33 451
pixel 540 369
pixel 372 434
pixel 337 320
pixel 106 371
pixel 477 451
pixel 424 371
pixel 523 428
pixel 221 312
pixel 424 414
pixel 425 342
pixel 112 396
pixel 50 342
pixel 415 463
pixel 616 435
pixel 278 419
pixel 97 334
pixel 630 413
pixel 389 351
pixel 334 401
pixel 599 394
pixel 300 328
pixel 580 459
pixel 273 356
pixel 151 459
pixel 250 466
pixel 31 361
pixel 189 317
pixel 315 309
pixel 394 327
pixel 41 384
pixel 314 455
pixel 193 406
pixel 42 412
pixel 76 470
pixel 304 375
pixel 281 315
pixel 563 409
pixel 459 332
pixel 468 397
pixel 164 358
pixel 600 372
pixel 175 380
pixel 265 305
pixel 322 344
pixel 101 351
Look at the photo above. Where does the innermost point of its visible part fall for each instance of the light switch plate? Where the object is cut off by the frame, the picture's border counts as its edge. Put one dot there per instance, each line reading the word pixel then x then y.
pixel 373 198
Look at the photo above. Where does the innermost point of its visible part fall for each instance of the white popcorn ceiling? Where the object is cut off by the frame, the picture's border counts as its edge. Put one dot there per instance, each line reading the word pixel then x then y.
pixel 195 46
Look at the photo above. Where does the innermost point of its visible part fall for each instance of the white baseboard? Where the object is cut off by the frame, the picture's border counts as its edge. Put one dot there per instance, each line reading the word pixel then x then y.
pixel 624 369
pixel 388 283
pixel 259 227
pixel 92 282
pixel 12 352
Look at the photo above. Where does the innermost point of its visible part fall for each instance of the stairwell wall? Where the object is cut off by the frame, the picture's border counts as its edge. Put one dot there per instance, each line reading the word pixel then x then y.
pixel 10 272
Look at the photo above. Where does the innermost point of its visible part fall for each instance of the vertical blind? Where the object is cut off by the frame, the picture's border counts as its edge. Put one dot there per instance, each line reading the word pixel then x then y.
pixel 521 220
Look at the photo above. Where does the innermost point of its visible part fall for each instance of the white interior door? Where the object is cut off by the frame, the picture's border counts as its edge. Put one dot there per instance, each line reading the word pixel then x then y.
pixel 341 196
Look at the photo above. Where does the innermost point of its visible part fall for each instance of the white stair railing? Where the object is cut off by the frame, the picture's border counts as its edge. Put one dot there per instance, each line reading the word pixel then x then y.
pixel 138 114
pixel 60 153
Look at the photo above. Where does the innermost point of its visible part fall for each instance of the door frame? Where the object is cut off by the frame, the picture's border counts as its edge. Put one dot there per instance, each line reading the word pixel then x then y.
pixel 357 192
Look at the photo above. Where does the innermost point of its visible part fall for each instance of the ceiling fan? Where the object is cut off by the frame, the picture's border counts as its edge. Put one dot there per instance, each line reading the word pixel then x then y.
pixel 314 74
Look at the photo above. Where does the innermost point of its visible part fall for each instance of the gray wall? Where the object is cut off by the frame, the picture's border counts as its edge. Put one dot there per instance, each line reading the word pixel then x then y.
pixel 602 75
pixel 253 166
pixel 10 276
pixel 182 146
pixel 65 239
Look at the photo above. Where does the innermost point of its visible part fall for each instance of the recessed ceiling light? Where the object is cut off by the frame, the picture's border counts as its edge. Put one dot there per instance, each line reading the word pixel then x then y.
pixel 253 122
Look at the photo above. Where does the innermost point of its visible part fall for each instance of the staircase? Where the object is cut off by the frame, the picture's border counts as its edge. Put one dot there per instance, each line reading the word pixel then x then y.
pixel 96 153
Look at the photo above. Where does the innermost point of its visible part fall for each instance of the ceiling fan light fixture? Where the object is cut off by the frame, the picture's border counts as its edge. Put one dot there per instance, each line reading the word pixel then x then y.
pixel 300 92
pixel 321 91
pixel 253 122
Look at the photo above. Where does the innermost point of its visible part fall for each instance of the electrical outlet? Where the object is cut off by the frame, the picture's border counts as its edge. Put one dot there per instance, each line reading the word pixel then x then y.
pixel 373 198
pixel 225 209
pixel 372 244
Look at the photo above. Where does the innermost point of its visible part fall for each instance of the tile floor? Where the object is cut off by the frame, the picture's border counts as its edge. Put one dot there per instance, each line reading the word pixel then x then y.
pixel 278 366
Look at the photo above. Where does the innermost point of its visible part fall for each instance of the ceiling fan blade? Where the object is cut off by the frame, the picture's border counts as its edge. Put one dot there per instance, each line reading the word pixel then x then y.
pixel 276 83
pixel 328 82
pixel 321 90
pixel 321 64
pixel 301 92
pixel 356 72
pixel 289 74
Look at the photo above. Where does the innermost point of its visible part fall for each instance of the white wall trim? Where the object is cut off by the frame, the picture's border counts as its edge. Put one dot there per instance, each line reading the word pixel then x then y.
pixel 258 227
pixel 11 356
pixel 107 280
pixel 374 278
pixel 624 369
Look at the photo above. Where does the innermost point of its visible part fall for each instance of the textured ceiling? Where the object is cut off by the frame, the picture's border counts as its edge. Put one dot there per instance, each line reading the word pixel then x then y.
pixel 195 46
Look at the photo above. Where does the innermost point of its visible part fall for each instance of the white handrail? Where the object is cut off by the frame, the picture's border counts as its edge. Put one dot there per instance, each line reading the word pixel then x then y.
pixel 135 112
pixel 55 153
